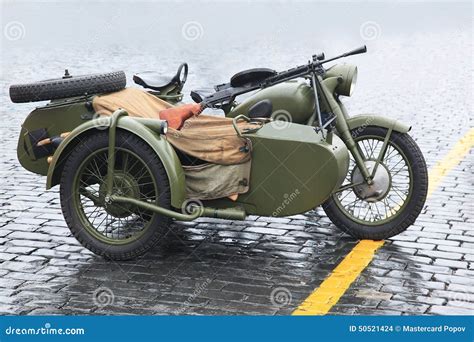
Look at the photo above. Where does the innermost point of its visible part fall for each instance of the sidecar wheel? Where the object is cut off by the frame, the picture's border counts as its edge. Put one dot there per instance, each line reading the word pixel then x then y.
pixel 114 231
pixel 400 193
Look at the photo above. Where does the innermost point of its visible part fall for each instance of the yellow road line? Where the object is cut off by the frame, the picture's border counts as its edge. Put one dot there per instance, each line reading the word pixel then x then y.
pixel 322 299
pixel 452 159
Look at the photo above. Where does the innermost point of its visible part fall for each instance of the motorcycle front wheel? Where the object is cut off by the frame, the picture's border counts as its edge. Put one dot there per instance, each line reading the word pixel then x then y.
pixel 396 197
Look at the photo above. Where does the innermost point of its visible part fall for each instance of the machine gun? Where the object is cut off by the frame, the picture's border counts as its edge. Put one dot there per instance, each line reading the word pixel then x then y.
pixel 260 78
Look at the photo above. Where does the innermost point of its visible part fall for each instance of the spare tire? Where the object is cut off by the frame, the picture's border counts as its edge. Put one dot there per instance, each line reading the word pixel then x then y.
pixel 68 86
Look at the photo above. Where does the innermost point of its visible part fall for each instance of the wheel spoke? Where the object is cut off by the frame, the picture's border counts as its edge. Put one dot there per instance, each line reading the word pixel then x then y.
pixel 117 221
pixel 86 193
pixel 400 183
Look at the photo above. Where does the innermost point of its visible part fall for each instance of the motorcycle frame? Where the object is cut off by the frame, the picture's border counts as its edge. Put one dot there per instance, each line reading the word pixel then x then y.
pixel 324 87
pixel 341 116
pixel 341 125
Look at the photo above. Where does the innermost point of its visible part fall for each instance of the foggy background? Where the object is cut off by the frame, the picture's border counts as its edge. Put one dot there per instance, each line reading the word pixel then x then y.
pixel 216 38
pixel 418 67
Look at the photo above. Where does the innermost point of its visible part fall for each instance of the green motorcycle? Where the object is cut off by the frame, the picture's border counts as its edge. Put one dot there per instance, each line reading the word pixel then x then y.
pixel 122 178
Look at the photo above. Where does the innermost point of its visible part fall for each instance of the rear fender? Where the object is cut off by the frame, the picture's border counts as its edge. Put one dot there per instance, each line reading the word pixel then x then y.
pixel 365 120
pixel 161 146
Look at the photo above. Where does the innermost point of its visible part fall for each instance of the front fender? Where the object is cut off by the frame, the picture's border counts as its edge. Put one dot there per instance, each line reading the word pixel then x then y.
pixel 162 148
pixel 365 120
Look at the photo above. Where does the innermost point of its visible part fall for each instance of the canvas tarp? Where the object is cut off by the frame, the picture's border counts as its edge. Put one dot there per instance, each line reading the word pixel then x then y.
pixel 136 102
pixel 211 181
pixel 209 138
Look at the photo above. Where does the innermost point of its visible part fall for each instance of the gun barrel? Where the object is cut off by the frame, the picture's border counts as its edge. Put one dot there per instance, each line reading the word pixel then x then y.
pixel 226 93
pixel 287 74
pixel 359 50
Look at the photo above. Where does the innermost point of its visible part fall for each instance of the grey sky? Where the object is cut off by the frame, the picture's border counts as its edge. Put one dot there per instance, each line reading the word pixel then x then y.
pixel 156 23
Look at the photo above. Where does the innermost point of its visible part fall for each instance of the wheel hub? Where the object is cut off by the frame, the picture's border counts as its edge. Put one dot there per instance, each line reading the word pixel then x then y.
pixel 124 185
pixel 380 182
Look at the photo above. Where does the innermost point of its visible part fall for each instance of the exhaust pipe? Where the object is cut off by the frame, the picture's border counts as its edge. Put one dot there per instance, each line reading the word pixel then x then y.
pixel 228 214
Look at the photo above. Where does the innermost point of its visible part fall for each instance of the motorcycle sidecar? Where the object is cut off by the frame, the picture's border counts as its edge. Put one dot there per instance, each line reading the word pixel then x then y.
pixel 122 180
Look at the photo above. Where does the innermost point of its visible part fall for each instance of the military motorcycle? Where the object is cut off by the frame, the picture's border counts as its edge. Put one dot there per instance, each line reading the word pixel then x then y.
pixel 122 181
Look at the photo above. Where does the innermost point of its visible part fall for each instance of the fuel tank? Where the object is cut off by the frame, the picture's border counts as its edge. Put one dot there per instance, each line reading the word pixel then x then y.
pixel 292 101
pixel 294 169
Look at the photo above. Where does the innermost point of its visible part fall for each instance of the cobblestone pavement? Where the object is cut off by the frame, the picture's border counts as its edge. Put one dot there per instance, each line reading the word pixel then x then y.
pixel 265 265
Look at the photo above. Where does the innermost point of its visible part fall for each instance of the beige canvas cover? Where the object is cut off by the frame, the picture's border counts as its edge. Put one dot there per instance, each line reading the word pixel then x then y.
pixel 136 102
pixel 211 181
pixel 212 139
pixel 207 137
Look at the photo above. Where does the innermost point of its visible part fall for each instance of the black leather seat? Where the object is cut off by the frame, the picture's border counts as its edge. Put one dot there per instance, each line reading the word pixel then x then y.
pixel 155 81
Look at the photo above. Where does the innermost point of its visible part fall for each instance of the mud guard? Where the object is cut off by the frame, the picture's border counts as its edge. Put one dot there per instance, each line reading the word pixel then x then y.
pixel 362 121
pixel 163 149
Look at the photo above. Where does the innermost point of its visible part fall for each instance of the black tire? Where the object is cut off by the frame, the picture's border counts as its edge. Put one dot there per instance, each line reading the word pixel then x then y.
pixel 61 88
pixel 159 224
pixel 414 205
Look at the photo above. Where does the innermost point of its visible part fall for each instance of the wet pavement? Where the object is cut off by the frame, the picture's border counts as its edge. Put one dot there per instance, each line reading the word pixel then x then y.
pixel 265 265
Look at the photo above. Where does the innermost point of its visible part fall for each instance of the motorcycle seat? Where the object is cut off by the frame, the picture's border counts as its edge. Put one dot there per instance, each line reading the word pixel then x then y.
pixel 156 81
pixel 152 80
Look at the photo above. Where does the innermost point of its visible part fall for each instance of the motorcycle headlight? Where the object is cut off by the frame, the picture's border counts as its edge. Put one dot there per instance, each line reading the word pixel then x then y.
pixel 347 76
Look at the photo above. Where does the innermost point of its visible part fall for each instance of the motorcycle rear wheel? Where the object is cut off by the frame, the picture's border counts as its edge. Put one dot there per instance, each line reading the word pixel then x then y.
pixel 401 192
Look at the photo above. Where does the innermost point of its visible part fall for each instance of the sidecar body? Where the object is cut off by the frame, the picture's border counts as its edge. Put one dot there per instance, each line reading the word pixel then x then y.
pixel 294 169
